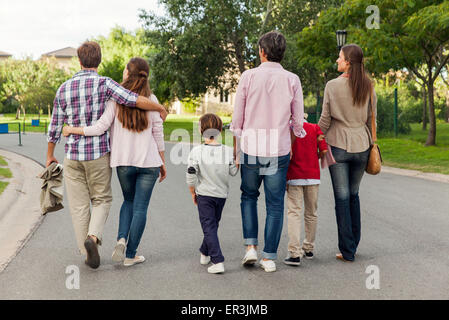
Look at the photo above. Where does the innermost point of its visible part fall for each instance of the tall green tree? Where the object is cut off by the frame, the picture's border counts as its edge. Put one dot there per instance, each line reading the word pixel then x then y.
pixel 19 77
pixel 32 84
pixel 411 34
pixel 317 52
pixel 118 48
pixel 41 93
pixel 202 44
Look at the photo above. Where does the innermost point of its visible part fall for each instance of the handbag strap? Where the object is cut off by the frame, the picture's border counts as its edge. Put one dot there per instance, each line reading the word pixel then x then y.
pixel 373 119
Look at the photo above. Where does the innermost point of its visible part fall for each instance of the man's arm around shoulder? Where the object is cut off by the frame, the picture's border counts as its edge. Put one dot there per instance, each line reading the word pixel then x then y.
pixel 128 98
pixel 146 104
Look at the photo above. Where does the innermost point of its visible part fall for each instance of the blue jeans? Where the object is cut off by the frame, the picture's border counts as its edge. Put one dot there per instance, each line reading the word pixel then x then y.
pixel 273 172
pixel 137 185
pixel 346 176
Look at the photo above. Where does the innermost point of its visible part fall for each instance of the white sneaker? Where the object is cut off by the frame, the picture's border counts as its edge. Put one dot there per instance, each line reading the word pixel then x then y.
pixel 216 268
pixel 119 252
pixel 204 259
pixel 268 265
pixel 131 262
pixel 250 257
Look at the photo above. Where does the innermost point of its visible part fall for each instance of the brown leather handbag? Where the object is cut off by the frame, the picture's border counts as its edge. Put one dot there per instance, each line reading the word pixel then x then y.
pixel 374 164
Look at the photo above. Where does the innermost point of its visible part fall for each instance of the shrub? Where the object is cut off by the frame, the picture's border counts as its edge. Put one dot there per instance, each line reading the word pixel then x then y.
pixel 190 105
pixel 385 116
pixel 9 106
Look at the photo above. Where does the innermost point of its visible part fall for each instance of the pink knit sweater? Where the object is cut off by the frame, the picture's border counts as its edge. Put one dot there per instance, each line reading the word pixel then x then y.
pixel 131 148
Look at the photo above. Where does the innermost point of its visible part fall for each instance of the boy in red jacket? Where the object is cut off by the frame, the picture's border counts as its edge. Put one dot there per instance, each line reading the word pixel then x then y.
pixel 303 180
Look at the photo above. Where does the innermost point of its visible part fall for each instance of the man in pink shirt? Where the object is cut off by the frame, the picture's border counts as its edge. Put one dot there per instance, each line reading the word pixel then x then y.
pixel 267 98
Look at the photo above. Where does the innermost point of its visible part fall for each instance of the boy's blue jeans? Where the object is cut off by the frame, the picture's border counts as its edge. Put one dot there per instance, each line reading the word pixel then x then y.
pixel 273 172
pixel 346 176
pixel 137 186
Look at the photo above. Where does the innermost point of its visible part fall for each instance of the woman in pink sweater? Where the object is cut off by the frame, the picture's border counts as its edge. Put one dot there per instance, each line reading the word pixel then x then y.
pixel 137 151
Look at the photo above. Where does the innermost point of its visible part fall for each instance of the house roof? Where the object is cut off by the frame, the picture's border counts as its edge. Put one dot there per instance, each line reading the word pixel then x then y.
pixel 68 52
pixel 5 54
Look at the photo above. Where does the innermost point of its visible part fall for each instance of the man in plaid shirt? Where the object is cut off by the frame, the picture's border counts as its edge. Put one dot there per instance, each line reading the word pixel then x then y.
pixel 80 102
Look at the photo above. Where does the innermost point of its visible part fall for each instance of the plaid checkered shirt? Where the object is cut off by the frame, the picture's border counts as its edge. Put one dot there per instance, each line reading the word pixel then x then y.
pixel 80 102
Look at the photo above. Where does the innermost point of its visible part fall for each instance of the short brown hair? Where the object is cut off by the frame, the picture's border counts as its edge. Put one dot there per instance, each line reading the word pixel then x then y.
pixel 89 54
pixel 273 44
pixel 212 124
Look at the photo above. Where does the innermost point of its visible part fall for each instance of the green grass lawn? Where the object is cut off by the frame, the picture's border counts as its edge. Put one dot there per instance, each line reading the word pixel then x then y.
pixel 405 151
pixel 13 127
pixel 172 122
pixel 409 152
pixel 3 186
pixel 3 162
pixel 188 123
pixel 4 172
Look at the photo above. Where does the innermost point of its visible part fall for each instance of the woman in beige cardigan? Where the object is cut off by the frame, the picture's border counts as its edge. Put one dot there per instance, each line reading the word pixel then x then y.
pixel 346 122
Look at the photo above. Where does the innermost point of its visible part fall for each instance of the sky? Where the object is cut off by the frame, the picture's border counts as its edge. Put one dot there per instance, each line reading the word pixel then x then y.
pixel 31 28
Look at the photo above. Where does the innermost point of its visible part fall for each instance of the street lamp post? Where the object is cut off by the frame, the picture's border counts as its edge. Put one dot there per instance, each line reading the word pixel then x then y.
pixel 341 38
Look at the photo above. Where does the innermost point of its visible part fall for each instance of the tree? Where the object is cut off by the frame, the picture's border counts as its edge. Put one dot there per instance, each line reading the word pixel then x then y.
pixel 118 48
pixel 445 80
pixel 32 84
pixel 292 17
pixel 203 44
pixel 413 33
pixel 41 93
pixel 317 52
pixel 19 76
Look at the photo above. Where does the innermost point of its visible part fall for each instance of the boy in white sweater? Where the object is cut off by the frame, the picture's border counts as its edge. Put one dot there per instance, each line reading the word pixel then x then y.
pixel 209 167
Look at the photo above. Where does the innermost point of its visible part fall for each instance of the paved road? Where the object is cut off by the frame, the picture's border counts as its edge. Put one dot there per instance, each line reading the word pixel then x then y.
pixel 405 223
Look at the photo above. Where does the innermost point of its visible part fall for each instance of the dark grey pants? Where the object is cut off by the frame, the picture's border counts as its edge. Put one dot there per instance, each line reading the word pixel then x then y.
pixel 346 176
pixel 210 209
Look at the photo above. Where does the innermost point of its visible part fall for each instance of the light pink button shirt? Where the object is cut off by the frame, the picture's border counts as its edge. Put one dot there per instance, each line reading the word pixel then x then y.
pixel 130 148
pixel 267 98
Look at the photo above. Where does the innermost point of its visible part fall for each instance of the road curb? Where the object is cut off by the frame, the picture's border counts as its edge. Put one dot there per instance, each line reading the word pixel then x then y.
pixel 20 213
pixel 417 174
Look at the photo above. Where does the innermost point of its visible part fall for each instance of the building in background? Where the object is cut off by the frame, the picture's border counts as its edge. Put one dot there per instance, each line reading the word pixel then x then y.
pixel 63 57
pixel 4 55
pixel 217 101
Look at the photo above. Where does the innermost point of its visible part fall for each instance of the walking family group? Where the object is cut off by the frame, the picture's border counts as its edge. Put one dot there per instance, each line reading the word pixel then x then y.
pixel 110 125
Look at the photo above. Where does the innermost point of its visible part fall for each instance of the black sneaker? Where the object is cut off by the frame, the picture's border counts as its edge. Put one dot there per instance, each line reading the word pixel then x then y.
pixel 308 255
pixel 292 261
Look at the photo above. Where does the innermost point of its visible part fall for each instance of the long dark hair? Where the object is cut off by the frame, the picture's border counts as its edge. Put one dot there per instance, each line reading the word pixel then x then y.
pixel 135 119
pixel 360 83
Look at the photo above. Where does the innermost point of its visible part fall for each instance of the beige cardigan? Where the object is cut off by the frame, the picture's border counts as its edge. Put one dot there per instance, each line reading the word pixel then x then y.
pixel 52 188
pixel 346 125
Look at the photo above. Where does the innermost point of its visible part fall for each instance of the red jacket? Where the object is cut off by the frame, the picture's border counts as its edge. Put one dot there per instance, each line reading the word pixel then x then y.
pixel 304 163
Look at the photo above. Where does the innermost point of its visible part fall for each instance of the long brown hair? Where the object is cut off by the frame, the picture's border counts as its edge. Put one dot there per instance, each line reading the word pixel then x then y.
pixel 359 81
pixel 135 119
